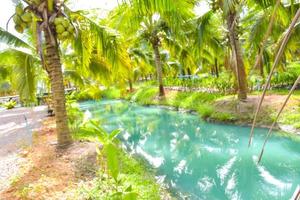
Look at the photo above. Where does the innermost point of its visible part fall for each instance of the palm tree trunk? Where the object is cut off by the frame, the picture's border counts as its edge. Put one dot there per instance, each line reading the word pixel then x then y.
pixel 259 60
pixel 58 93
pixel 158 70
pixel 216 68
pixel 130 85
pixel 261 67
pixel 237 56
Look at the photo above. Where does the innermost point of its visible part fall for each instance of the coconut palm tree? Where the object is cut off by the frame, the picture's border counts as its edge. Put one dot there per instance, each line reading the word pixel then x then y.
pixel 151 21
pixel 230 10
pixel 52 25
pixel 153 31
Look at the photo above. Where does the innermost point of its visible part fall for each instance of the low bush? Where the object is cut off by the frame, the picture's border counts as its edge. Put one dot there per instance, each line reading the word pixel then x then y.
pixel 10 105
pixel 145 95
pixel 205 111
pixel 111 93
pixel 120 175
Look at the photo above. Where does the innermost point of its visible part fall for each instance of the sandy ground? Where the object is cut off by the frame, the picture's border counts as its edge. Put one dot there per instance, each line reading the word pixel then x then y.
pixel 51 173
pixel 16 128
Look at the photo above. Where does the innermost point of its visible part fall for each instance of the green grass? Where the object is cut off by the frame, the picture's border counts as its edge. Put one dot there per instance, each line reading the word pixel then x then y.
pixel 291 119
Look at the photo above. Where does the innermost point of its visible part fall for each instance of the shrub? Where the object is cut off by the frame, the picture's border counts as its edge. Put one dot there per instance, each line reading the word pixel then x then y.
pixel 10 105
pixel 111 93
pixel 223 116
pixel 205 111
pixel 145 95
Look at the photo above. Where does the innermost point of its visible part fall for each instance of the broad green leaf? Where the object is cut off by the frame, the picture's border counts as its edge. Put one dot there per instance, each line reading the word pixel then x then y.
pixel 128 189
pixel 112 160
pixel 130 196
pixel 114 134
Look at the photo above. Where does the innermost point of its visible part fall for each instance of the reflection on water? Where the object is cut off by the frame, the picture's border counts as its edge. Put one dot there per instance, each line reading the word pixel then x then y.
pixel 199 160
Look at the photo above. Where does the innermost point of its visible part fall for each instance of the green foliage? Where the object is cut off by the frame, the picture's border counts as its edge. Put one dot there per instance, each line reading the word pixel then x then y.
pixel 145 95
pixel 129 178
pixel 108 141
pixel 291 118
pixel 111 93
pixel 224 83
pixel 88 93
pixel 288 77
pixel 10 105
pixel 75 115
pixel 136 182
pixel 205 111
pixel 223 116
pixel 120 188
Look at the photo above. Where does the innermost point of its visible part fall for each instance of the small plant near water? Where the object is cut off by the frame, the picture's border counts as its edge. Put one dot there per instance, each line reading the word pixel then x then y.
pixel 111 153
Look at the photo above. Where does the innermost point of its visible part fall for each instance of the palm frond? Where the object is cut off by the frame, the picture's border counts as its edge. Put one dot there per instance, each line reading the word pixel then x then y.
pixel 23 71
pixel 10 39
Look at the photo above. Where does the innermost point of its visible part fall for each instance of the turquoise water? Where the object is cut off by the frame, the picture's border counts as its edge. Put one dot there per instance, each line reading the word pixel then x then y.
pixel 200 160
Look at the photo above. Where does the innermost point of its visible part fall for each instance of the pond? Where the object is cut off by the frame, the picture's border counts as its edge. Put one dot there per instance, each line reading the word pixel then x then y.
pixel 200 160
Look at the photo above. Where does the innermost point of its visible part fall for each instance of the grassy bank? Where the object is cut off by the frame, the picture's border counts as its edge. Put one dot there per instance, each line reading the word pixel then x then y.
pixel 218 107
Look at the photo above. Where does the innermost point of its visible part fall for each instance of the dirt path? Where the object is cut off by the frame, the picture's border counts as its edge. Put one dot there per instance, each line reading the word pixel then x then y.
pixel 16 128
pixel 49 173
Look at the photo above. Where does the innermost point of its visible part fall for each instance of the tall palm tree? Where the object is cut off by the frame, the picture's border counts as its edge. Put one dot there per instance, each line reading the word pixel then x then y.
pixel 48 48
pixel 153 31
pixel 230 10
pixel 129 17
pixel 89 40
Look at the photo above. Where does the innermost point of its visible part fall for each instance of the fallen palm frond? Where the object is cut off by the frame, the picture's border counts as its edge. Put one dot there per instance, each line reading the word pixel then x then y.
pixel 276 62
pixel 277 117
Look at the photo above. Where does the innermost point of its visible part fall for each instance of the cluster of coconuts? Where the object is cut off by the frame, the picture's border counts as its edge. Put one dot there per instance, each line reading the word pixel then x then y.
pixel 22 19
pixel 64 28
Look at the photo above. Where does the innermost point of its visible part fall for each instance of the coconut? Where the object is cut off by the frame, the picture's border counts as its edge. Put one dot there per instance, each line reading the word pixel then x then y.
pixel 60 28
pixel 19 9
pixel 24 25
pixel 66 23
pixel 71 29
pixel 58 20
pixel 19 28
pixel 60 37
pixel 65 34
pixel 26 17
pixel 17 19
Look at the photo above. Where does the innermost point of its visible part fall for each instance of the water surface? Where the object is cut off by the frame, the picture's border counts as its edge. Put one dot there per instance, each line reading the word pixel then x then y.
pixel 200 160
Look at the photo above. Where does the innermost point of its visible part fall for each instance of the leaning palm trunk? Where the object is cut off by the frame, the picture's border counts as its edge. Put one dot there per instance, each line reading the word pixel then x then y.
pixel 258 61
pixel 277 117
pixel 54 70
pixel 159 70
pixel 237 57
pixel 277 59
